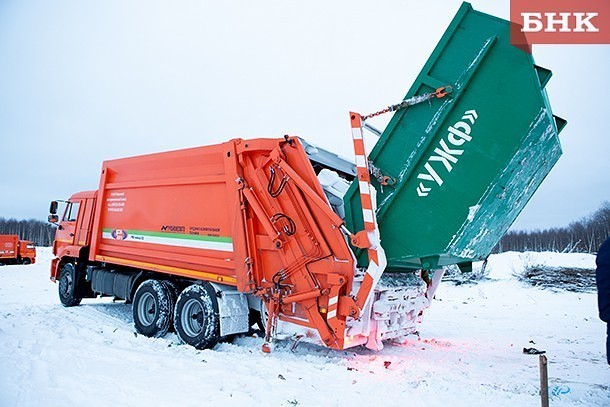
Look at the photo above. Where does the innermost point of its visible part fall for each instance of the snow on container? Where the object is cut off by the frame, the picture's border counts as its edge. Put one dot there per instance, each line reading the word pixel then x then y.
pixel 463 166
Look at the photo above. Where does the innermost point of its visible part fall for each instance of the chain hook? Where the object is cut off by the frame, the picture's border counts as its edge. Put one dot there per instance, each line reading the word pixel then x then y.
pixel 443 91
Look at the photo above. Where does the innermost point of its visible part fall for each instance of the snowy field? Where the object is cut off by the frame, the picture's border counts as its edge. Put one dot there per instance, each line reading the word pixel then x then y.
pixel 469 353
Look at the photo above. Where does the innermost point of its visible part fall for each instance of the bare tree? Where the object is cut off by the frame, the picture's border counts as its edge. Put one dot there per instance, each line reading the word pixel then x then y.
pixel 41 233
pixel 585 236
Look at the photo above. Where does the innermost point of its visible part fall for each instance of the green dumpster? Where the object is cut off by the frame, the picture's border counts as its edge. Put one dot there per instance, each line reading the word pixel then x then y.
pixel 463 166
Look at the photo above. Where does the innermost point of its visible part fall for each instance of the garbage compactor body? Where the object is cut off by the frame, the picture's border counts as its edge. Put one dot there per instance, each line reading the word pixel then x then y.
pixel 462 167
pixel 246 213
pixel 271 231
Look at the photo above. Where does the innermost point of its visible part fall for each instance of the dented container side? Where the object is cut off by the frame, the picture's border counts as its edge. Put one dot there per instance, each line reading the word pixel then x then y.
pixel 464 165
pixel 509 192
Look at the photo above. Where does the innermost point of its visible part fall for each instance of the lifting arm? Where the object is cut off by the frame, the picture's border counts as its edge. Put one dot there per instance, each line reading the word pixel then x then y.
pixel 368 238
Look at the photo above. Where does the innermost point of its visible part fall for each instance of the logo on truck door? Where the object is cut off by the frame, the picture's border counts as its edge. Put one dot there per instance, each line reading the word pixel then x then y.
pixel 446 155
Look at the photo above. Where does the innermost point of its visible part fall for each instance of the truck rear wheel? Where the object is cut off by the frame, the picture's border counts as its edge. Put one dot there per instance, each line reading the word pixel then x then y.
pixel 196 317
pixel 152 308
pixel 67 286
pixel 173 293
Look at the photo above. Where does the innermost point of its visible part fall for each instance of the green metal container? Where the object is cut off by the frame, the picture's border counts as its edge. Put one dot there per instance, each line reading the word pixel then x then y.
pixel 465 165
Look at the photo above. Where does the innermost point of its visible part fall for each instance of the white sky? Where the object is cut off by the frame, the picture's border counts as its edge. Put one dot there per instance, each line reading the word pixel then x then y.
pixel 84 81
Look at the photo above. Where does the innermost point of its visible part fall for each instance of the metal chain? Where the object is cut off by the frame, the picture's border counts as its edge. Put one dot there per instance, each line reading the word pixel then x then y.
pixel 439 93
pixel 380 177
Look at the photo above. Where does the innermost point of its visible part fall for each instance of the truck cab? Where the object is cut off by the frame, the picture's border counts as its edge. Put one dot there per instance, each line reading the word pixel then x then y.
pixel 27 252
pixel 73 234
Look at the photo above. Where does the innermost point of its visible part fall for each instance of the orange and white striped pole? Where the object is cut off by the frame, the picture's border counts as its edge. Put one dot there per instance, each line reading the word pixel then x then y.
pixel 377 259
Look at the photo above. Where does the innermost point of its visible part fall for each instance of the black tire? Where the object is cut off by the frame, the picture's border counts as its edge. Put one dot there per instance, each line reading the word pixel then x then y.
pixel 152 309
pixel 68 286
pixel 196 317
pixel 26 260
pixel 173 293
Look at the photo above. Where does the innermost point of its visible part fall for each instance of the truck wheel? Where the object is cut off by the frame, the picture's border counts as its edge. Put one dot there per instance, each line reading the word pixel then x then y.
pixel 26 261
pixel 67 286
pixel 152 309
pixel 173 293
pixel 196 317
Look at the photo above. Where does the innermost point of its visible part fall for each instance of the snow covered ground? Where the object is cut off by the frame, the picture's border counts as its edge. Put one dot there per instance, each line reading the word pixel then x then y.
pixel 469 352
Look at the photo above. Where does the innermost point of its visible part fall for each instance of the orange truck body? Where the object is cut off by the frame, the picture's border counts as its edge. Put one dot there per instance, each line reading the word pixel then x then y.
pixel 15 251
pixel 246 215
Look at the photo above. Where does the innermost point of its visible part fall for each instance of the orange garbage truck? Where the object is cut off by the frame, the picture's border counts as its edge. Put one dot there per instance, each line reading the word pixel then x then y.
pixel 210 240
pixel 16 251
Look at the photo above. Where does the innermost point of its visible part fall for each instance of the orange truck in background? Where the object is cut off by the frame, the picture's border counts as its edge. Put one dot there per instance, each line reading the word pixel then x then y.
pixel 15 251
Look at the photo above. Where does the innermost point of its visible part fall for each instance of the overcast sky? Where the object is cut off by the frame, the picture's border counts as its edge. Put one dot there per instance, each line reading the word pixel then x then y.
pixel 85 81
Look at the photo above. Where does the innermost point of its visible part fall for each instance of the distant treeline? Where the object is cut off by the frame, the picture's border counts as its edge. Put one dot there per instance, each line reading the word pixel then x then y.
pixel 41 233
pixel 583 236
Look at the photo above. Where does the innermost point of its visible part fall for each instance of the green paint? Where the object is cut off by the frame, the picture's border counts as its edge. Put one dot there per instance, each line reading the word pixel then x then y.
pixel 512 145
pixel 220 239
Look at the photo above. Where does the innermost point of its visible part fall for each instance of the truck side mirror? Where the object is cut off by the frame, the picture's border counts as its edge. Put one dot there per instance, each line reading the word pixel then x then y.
pixel 53 218
pixel 53 209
